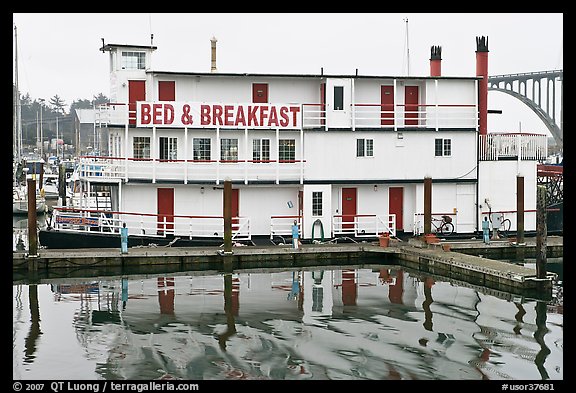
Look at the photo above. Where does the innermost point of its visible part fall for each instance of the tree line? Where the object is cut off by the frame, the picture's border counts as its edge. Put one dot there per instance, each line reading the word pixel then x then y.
pixel 53 114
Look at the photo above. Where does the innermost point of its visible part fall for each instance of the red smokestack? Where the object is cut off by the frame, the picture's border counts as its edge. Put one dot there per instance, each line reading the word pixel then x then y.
pixel 482 70
pixel 436 61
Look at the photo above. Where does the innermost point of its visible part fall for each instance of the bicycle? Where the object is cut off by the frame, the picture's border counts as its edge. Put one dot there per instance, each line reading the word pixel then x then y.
pixel 445 226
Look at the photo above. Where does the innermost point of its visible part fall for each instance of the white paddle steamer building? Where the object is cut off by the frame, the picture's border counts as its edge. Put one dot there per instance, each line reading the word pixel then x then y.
pixel 344 155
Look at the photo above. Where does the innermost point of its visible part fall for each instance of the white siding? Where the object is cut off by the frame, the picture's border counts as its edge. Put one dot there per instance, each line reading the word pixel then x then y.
pixel 332 156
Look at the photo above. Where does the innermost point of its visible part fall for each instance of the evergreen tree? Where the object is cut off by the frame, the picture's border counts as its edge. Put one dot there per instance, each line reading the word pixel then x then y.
pixel 58 104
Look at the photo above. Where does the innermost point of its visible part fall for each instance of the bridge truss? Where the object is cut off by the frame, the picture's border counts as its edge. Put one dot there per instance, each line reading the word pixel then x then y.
pixel 538 90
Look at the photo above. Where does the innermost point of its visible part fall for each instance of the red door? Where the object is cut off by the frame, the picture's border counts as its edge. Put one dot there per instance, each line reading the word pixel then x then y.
pixel 235 209
pixel 348 207
pixel 411 100
pixel 260 93
pixel 395 205
pixel 136 92
pixel 387 105
pixel 165 209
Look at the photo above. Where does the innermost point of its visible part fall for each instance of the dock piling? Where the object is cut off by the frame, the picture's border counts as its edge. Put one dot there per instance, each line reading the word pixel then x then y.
pixel 541 230
pixel 227 208
pixel 62 184
pixel 427 205
pixel 520 209
pixel 32 227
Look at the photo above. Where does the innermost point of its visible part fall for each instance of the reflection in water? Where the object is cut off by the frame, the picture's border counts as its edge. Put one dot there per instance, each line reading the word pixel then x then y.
pixel 428 282
pixel 20 230
pixel 519 315
pixel 32 338
pixel 229 310
pixel 166 295
pixel 539 334
pixel 353 323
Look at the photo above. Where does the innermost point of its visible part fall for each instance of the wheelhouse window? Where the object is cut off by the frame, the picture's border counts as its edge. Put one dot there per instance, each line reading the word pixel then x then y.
pixel 133 60
pixel 338 98
pixel 168 148
pixel 141 146
pixel 442 147
pixel 286 150
pixel 317 203
pixel 261 150
pixel 201 147
pixel 364 147
pixel 229 149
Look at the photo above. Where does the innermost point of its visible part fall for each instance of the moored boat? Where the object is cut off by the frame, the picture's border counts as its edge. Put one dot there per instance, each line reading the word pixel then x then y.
pixel 342 155
pixel 20 201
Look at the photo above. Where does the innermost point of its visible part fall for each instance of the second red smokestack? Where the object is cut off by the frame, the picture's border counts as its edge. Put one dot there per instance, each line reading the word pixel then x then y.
pixel 436 61
pixel 482 70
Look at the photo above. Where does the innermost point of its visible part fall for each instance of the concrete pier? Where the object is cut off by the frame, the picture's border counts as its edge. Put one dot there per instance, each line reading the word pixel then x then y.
pixel 458 263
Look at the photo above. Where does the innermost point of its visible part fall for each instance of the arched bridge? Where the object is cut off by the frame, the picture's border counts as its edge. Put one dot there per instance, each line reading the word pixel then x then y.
pixel 538 91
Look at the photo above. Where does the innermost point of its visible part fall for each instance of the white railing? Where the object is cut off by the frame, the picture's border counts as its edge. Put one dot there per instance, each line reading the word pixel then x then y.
pixel 363 225
pixel 427 116
pixel 191 170
pixel 522 146
pixel 362 115
pixel 154 225
pixel 282 225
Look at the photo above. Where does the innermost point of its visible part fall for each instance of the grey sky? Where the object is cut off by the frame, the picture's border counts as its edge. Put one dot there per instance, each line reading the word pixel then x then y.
pixel 59 53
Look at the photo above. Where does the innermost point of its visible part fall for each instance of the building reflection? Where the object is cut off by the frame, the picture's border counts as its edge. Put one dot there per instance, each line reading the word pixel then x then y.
pixel 176 324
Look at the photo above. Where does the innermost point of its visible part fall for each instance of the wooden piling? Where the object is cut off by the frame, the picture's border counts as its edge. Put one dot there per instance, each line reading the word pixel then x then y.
pixel 32 225
pixel 427 205
pixel 62 184
pixel 227 208
pixel 541 232
pixel 519 209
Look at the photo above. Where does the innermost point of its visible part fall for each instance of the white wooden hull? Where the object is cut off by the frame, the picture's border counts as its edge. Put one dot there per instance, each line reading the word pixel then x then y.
pixel 20 203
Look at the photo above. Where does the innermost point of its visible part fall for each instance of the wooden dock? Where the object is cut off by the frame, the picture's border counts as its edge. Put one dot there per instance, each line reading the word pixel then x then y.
pixel 458 263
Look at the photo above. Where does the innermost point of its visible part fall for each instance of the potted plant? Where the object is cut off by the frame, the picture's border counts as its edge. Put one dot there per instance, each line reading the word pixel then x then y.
pixel 384 239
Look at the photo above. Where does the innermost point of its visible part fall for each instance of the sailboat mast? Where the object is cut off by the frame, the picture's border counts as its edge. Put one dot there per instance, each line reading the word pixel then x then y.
pixel 18 128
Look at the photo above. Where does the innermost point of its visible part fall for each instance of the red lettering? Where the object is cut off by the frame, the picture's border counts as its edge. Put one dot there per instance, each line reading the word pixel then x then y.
pixel 273 117
pixel 228 115
pixel 294 110
pixel 145 117
pixel 168 114
pixel 157 114
pixel 284 116
pixel 263 114
pixel 217 114
pixel 240 116
pixel 205 118
pixel 252 119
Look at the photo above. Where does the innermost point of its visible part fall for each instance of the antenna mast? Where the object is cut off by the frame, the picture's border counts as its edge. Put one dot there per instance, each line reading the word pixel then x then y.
pixel 407 47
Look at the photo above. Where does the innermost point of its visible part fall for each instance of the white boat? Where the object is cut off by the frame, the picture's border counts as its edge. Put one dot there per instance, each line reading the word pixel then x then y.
pixel 50 186
pixel 20 201
pixel 346 156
